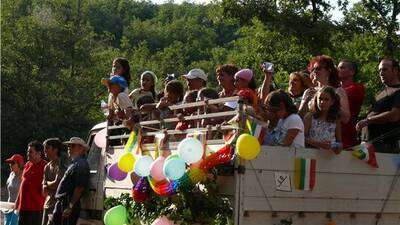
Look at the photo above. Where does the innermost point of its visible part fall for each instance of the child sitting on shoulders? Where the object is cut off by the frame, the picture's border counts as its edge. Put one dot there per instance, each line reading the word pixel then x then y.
pixel 289 130
pixel 147 88
pixel 322 123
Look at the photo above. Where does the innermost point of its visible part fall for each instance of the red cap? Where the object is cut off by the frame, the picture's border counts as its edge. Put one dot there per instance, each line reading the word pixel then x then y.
pixel 16 158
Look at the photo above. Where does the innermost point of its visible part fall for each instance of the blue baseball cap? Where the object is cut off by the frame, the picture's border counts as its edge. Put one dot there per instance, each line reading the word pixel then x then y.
pixel 116 80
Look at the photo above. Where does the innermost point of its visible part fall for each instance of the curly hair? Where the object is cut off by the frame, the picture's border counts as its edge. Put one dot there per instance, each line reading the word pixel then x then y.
pixel 327 62
pixel 334 110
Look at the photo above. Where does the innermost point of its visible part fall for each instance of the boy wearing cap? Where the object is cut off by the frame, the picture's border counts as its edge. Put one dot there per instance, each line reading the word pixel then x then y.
pixel 13 183
pixel 30 198
pixel 196 79
pixel 72 184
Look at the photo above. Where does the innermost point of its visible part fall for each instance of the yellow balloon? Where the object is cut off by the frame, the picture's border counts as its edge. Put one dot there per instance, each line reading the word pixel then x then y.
pixel 126 162
pixel 247 147
pixel 197 175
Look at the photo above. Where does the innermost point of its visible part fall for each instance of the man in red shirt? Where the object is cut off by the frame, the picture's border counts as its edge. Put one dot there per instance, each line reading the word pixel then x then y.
pixel 30 198
pixel 355 93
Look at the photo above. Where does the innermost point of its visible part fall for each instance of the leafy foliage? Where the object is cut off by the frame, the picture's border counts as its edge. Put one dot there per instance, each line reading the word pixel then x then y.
pixel 201 204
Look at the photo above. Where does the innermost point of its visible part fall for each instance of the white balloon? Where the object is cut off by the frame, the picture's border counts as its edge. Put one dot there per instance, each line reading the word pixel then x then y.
pixel 143 165
pixel 190 150
pixel 100 138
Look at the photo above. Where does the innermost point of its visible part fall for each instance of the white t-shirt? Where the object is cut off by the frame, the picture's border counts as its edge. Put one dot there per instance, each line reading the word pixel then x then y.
pixel 291 122
pixel 123 101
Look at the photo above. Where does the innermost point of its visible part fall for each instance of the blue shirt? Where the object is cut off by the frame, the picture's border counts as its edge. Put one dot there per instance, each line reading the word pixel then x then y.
pixel 76 175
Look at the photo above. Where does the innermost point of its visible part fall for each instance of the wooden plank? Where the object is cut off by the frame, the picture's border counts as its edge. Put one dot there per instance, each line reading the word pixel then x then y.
pixel 203 103
pixel 320 205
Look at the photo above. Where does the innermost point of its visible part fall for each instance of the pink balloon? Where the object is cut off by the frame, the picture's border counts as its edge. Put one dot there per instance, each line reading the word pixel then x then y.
pixel 100 138
pixel 163 221
pixel 156 169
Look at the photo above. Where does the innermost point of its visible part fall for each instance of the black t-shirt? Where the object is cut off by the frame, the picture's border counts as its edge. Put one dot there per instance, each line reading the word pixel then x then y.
pixel 386 104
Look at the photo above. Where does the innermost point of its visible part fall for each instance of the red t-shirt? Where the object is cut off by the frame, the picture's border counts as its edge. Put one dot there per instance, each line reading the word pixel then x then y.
pixel 355 94
pixel 30 197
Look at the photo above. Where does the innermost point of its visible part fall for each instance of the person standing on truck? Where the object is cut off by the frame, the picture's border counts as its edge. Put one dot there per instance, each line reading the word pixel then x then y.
pixel 53 172
pixel 30 198
pixel 347 70
pixel 196 79
pixel 13 183
pixel 72 185
pixel 383 120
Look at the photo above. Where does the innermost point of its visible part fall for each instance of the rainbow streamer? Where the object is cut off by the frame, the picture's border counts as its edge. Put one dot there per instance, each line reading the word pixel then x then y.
pixel 132 142
pixel 162 188
pixel 168 188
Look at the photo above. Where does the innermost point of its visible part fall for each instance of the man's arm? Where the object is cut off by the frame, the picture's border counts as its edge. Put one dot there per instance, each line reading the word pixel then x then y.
pixel 78 191
pixel 381 118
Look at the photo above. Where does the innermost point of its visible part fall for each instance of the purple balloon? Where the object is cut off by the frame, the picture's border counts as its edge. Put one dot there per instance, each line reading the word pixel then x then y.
pixel 115 173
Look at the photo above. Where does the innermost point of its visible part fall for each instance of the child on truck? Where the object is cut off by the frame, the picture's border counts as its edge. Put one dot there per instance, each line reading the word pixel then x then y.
pixel 289 130
pixel 121 108
pixel 173 95
pixel 322 123
pixel 147 88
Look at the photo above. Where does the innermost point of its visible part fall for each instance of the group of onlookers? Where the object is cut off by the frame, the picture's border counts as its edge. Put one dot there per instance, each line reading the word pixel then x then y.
pixel 319 109
pixel 48 187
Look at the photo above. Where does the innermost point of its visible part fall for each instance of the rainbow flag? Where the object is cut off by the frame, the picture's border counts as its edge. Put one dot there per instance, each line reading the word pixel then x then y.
pixel 304 173
pixel 132 142
pixel 366 152
pixel 257 130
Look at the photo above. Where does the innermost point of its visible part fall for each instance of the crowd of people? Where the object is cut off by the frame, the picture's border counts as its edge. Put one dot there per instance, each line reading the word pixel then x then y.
pixel 320 109
pixel 47 188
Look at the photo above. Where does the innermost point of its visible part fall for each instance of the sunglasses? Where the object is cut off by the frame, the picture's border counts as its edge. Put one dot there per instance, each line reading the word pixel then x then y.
pixel 318 68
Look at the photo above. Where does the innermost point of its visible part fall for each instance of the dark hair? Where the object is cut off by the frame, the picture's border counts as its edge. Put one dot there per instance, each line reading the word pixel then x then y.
pixel 153 88
pixel 275 98
pixel 208 93
pixel 55 143
pixel 352 65
pixel 334 110
pixel 125 66
pixel 252 84
pixel 146 99
pixel 175 87
pixel 327 62
pixel 192 94
pixel 395 63
pixel 37 146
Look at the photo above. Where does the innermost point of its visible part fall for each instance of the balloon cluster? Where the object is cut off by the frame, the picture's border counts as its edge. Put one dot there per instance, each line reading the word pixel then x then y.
pixel 168 175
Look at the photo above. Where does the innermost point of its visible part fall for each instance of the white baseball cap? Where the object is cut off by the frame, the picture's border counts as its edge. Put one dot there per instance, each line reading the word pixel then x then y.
pixel 196 73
